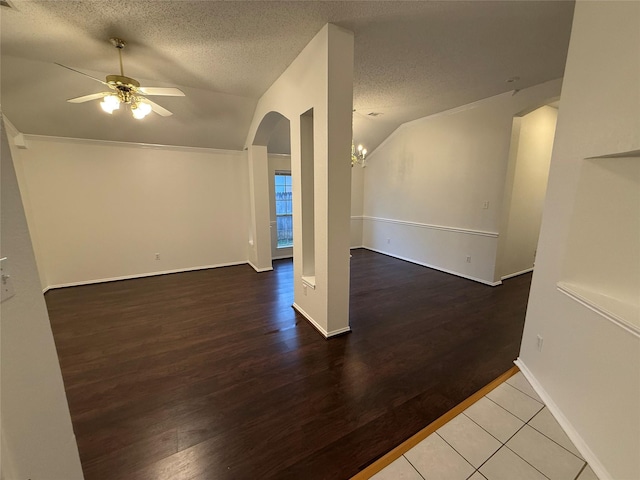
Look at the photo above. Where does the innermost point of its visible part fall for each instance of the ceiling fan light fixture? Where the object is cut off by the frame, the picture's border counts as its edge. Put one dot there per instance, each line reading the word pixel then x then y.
pixel 126 90
pixel 140 110
pixel 110 103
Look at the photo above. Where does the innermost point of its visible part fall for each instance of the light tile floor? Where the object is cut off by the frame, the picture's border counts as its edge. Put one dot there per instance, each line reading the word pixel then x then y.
pixel 508 434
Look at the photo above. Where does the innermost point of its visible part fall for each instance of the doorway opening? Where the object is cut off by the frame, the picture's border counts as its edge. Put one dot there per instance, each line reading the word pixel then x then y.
pixel 280 191
pixel 525 190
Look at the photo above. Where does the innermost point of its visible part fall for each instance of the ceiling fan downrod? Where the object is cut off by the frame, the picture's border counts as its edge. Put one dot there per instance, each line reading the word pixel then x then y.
pixel 119 44
pixel 125 85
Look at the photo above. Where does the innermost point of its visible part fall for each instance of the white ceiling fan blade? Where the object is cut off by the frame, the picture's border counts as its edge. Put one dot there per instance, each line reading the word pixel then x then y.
pixel 158 109
pixel 82 73
pixel 161 91
pixel 88 98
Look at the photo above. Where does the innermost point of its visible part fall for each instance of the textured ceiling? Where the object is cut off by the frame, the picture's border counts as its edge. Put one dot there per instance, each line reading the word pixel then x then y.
pixel 411 59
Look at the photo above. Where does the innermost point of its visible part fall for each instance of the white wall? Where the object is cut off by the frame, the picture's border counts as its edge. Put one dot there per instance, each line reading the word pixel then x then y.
pixel 589 365
pixel 319 79
pixel 426 185
pixel 525 199
pixel 102 210
pixel 357 199
pixel 37 435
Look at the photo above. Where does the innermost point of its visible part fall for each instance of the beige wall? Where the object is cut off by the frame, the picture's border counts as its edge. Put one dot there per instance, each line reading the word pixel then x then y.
pixel 426 186
pixel 357 198
pixel 37 435
pixel 527 189
pixel 103 210
pixel 588 369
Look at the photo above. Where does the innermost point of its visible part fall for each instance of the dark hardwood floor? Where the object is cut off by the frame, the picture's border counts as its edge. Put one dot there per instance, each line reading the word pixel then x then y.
pixel 212 375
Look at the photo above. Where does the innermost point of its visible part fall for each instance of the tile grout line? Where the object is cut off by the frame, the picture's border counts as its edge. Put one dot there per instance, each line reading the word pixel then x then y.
pixel 549 438
pixel 525 394
pixel 501 442
pixel 527 424
pixel 503 445
pixel 581 470
pixel 524 460
pixel 405 457
pixel 539 400
pixel 514 434
pixel 453 448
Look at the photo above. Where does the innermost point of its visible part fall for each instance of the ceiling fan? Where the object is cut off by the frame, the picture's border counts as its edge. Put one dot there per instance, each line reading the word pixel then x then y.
pixel 126 90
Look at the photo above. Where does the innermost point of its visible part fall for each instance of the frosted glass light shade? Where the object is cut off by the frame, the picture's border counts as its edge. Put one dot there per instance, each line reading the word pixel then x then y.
pixel 110 103
pixel 141 110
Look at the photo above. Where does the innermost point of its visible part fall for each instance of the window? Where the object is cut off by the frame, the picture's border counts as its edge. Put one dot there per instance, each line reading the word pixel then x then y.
pixel 284 209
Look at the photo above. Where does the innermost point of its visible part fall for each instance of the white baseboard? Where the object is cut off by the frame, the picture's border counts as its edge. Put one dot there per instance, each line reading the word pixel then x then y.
pixel 259 270
pixel 457 274
pixel 359 246
pixel 315 324
pixel 282 257
pixel 521 272
pixel 139 275
pixel 571 432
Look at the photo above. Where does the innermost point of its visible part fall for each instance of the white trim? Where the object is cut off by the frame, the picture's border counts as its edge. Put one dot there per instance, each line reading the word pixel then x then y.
pixel 356 247
pixel 521 272
pixel 153 146
pixel 627 154
pixel 574 295
pixel 588 455
pixel 358 217
pixel 315 324
pixel 466 231
pixel 309 281
pixel 428 265
pixel 11 128
pixel 259 270
pixel 340 331
pixel 140 275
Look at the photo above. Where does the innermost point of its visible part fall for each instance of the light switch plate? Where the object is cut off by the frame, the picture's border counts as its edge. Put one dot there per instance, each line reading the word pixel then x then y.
pixel 6 282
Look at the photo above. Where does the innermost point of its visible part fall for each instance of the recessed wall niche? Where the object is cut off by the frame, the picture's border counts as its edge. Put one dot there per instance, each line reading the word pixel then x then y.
pixel 307 170
pixel 602 261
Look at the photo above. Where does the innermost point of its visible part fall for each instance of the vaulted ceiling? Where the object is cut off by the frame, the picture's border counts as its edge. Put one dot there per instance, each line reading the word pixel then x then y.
pixel 412 59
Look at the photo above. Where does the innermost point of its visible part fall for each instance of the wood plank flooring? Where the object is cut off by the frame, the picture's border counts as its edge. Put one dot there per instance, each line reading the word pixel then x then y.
pixel 212 375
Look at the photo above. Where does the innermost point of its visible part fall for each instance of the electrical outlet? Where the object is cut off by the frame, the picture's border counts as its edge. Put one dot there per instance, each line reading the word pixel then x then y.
pixel 388 241
pixel 540 340
pixel 485 205
pixel 468 259
pixel 157 256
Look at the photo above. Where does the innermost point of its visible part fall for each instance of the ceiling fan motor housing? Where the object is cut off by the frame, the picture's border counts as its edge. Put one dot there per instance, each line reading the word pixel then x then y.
pixel 125 86
pixel 122 81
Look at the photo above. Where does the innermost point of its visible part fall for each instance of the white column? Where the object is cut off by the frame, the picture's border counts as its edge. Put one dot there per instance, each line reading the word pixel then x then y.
pixel 260 235
pixel 322 295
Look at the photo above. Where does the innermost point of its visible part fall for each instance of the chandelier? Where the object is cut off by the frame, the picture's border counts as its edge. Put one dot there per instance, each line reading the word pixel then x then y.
pixel 358 155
